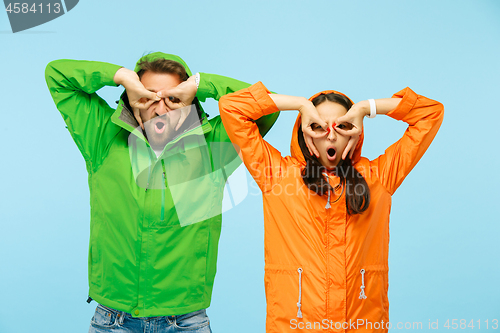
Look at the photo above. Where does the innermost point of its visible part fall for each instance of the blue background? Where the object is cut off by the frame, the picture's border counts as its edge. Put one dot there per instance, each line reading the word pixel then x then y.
pixel 444 251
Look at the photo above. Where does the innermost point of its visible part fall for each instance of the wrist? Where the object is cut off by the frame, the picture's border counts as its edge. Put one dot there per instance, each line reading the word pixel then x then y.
pixel 124 75
pixel 364 108
pixel 197 80
pixel 303 104
pixel 118 77
pixel 193 83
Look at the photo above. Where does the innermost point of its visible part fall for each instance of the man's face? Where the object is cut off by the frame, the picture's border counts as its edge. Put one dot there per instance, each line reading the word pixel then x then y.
pixel 159 120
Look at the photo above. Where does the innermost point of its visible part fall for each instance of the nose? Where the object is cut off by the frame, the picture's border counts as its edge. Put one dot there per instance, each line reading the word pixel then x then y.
pixel 161 107
pixel 332 134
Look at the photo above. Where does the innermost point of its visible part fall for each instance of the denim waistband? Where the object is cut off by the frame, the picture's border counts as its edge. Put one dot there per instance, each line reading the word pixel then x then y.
pixel 122 314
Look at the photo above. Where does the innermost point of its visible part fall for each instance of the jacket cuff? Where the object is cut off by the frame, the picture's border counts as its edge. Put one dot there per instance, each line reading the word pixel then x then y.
pixel 260 94
pixel 108 73
pixel 409 98
pixel 204 89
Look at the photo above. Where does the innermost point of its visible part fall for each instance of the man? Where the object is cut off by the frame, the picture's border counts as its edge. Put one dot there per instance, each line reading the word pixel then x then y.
pixel 157 168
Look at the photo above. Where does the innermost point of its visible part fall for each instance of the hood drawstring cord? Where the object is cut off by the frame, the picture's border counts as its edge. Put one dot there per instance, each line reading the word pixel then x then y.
pixel 329 190
pixel 299 303
pixel 362 293
pixel 328 202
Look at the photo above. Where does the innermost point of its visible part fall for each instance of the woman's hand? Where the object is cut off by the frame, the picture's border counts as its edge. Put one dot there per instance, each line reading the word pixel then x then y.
pixel 353 117
pixel 138 96
pixel 310 116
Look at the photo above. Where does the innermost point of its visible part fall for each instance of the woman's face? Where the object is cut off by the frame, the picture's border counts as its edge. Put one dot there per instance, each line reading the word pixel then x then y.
pixel 332 145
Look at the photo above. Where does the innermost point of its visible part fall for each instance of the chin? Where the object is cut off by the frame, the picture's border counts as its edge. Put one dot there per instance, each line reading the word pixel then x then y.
pixel 329 165
pixel 159 141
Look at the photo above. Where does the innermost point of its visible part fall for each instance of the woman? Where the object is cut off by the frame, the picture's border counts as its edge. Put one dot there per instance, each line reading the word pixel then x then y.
pixel 326 208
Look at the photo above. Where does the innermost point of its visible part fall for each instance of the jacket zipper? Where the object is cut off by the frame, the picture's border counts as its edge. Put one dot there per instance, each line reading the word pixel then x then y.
pixel 162 214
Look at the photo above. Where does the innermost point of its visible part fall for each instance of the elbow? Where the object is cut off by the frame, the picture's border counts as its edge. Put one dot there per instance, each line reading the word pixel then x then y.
pixel 437 116
pixel 49 69
pixel 52 69
pixel 440 112
pixel 223 103
pixel 435 111
pixel 226 104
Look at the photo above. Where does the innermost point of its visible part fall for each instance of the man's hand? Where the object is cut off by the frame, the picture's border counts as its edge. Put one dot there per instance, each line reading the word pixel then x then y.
pixel 354 117
pixel 138 96
pixel 180 97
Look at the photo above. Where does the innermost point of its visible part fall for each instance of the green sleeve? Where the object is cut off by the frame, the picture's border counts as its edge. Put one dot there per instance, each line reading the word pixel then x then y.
pixel 73 85
pixel 215 86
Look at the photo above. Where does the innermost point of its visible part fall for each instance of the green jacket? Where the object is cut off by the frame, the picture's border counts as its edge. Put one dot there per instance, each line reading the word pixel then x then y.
pixel 155 221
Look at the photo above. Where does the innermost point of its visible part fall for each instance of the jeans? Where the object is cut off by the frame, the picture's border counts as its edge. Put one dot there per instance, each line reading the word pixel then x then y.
pixel 112 321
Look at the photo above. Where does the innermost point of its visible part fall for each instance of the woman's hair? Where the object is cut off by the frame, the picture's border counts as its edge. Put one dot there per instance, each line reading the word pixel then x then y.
pixel 354 185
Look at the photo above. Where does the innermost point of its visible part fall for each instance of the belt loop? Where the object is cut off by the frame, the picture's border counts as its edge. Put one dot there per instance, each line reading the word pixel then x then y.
pixel 121 317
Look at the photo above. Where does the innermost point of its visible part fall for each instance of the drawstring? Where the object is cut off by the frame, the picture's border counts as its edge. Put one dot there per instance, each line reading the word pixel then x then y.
pixel 328 202
pixel 299 303
pixel 362 293
pixel 328 205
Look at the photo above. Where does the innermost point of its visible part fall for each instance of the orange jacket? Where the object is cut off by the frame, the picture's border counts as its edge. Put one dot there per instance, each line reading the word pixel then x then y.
pixel 314 256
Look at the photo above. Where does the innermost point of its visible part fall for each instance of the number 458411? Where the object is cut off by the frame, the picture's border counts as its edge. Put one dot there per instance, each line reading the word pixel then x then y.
pixel 24 8
pixel 462 324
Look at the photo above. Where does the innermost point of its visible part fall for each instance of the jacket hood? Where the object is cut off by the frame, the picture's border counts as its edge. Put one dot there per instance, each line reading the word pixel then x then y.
pixel 160 55
pixel 123 115
pixel 294 145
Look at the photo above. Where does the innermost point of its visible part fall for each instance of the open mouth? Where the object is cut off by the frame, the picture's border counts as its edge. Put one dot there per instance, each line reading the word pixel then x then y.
pixel 160 127
pixel 331 154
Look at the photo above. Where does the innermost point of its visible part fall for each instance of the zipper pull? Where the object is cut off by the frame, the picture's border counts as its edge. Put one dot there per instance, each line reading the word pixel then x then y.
pixel 362 293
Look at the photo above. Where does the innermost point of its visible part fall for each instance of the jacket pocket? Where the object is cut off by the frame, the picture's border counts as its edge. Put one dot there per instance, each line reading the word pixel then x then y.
pixel 287 294
pixel 373 284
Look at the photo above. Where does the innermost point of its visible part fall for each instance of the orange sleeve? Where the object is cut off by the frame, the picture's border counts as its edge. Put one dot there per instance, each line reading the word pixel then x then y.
pixel 424 116
pixel 238 112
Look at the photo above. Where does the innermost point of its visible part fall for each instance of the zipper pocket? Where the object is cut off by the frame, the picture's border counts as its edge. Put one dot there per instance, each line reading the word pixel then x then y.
pixel 375 280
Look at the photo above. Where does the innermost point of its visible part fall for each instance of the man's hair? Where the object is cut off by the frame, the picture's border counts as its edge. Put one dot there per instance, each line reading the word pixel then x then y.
pixel 162 66
pixel 168 67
